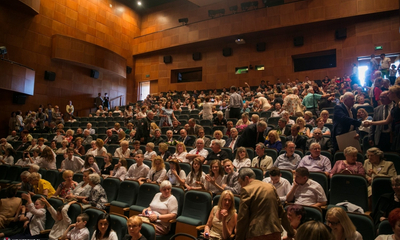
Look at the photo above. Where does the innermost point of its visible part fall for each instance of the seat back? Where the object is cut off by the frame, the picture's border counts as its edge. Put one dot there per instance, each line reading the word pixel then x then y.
pixel 59 159
pixel 271 152
pixel 111 186
pixel 130 162
pixel 286 174
pixel 148 163
pixel 206 168
pixel 148 231
pixel 395 158
pixel 340 156
pixel 385 228
pixel 364 224
pixel 111 148
pixel 51 176
pixel 146 193
pixel 179 194
pixel 78 177
pixel 74 211
pixel 314 213
pixel 185 167
pixel 99 161
pixel 119 224
pixel 93 213
pixel 197 205
pixel 13 173
pixel 380 186
pixel 3 171
pixel 350 188
pixel 128 192
pixel 322 179
pixel 259 173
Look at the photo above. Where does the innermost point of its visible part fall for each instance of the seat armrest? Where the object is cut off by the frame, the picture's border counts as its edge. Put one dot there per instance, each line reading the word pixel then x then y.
pixel 200 228
pixel 107 204
pixel 44 232
pixel 126 209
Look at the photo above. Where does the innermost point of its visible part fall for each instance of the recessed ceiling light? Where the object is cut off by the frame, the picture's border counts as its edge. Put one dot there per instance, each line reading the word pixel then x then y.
pixel 110 5
pixel 139 3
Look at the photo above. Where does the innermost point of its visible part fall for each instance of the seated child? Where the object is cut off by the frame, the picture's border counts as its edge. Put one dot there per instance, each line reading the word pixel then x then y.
pixel 62 221
pixel 34 220
pixel 79 230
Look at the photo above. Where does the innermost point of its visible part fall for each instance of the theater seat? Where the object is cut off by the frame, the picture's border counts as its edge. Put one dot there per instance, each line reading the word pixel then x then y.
pixel 350 188
pixel 146 193
pixel 127 195
pixel 196 208
pixel 364 224
pixel 119 224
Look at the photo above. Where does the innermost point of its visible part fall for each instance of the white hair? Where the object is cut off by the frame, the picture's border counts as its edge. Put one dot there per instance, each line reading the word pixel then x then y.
pixel 165 183
pixel 94 178
pixel 347 95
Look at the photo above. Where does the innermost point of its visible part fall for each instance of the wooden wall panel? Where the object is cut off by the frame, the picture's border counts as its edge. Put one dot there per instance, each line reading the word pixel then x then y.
pixel 363 34
pixel 202 28
pixel 17 78
pixel 28 41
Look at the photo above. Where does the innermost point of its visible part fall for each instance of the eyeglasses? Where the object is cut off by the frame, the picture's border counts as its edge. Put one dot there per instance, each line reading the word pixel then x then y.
pixel 331 223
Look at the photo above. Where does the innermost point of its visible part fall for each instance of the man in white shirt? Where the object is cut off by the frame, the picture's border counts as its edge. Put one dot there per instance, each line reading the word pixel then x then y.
pixel 306 191
pixel 137 170
pixel 262 160
pixel 89 127
pixel 281 185
pixel 199 151
pixel 72 162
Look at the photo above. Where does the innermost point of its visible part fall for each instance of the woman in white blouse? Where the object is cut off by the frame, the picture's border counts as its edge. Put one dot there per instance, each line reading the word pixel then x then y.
pixel 47 159
pixel 157 172
pixel 150 153
pixel 215 175
pixel 120 169
pixel 180 152
pixel 175 175
pixel 241 159
pixel 123 151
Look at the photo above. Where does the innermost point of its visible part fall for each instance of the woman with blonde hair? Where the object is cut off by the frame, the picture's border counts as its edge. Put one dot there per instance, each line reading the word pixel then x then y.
pixel 65 188
pixel 244 120
pixel 274 141
pixel 350 164
pixel 325 116
pixel 123 151
pixel 341 225
pixel 241 159
pixel 218 136
pixel 222 219
pixel 157 172
pixel 69 135
pixel 41 186
pixel 150 153
pixel 180 152
pixel 134 224
pixel 304 131
pixel 101 150
pixel 163 151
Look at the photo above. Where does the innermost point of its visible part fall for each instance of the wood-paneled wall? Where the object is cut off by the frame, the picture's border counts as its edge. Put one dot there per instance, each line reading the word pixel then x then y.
pixel 28 41
pixel 363 34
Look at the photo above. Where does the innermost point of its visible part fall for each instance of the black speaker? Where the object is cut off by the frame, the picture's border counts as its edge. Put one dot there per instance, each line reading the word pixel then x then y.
pixel 167 59
pixel 196 56
pixel 261 47
pixel 227 52
pixel 128 70
pixel 94 74
pixel 19 98
pixel 341 33
pixel 298 41
pixel 50 76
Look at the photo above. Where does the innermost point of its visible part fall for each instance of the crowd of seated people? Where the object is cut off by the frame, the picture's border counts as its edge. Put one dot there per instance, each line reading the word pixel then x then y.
pixel 299 129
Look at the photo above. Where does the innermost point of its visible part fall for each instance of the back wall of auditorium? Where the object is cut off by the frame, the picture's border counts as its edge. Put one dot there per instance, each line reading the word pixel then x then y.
pixel 141 40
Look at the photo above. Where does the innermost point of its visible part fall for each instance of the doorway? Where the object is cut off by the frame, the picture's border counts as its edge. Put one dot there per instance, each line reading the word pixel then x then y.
pixel 363 65
pixel 144 90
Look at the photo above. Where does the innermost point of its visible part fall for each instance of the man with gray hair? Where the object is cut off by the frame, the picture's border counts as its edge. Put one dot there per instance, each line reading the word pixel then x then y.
pixel 216 153
pixel 231 142
pixel 344 118
pixel 315 162
pixel 290 159
pixel 25 184
pixel 199 151
pixel 262 160
pixel 253 221
pixel 252 134
pixel 87 139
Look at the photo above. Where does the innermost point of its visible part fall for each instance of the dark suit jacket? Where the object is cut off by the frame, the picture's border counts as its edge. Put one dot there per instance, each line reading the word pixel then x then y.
pixel 376 130
pixel 300 141
pixel 157 141
pixel 229 140
pixel 188 141
pixel 143 130
pixel 248 137
pixel 286 131
pixel 342 122
pixel 111 140
pixel 260 211
pixel 326 144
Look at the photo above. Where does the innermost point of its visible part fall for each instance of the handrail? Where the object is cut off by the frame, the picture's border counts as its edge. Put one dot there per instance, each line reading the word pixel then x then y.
pixel 112 99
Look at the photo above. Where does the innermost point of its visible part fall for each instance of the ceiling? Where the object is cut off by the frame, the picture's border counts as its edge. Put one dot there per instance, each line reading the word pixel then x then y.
pixel 146 4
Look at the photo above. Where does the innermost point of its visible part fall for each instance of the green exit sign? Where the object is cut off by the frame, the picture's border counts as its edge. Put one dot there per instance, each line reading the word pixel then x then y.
pixel 378 48
pixel 148 75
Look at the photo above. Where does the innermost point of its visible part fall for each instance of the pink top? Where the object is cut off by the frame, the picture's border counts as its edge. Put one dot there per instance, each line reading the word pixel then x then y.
pixel 342 167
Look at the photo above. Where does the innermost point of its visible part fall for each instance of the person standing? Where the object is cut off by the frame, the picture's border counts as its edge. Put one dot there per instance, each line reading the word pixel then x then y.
pixel 252 134
pixel 255 222
pixel 384 65
pixel 98 101
pixel 70 109
pixel 143 133
pixel 379 135
pixel 235 103
pixel 344 118
pixel 106 103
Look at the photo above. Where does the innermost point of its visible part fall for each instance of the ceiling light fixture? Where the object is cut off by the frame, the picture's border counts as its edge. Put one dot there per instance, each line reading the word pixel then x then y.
pixel 139 3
